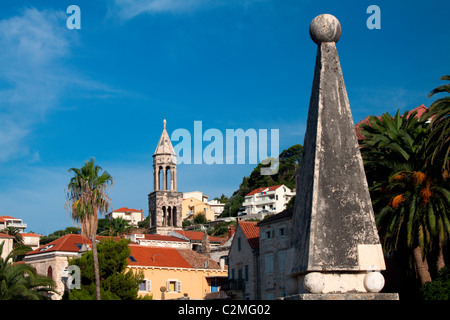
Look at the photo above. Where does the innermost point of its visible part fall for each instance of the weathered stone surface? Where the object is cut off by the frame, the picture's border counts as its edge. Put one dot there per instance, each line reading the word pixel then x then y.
pixel 164 203
pixel 343 296
pixel 325 28
pixel 333 213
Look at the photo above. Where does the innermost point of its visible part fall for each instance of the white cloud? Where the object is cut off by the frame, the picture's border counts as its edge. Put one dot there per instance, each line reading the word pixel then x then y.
pixel 128 9
pixel 35 71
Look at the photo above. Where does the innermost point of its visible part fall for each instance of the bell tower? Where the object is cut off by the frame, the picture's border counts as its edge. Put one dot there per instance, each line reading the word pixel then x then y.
pixel 164 201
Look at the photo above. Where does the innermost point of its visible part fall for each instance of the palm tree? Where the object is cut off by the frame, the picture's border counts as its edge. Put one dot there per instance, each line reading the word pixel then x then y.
pixel 438 143
pixel 116 226
pixel 15 232
pixel 21 282
pixel 411 206
pixel 87 196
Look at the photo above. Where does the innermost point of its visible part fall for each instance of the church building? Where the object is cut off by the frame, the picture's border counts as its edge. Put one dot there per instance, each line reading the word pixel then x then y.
pixel 165 201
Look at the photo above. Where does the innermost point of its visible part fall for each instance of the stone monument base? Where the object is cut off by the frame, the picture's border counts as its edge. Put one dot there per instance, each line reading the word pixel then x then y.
pixel 343 296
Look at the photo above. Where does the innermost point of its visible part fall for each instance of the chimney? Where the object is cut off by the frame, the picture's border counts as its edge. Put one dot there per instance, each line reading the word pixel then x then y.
pixel 230 230
pixel 222 264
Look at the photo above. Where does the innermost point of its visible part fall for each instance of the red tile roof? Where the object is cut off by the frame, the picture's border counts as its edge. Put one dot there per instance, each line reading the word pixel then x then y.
pixel 31 235
pixel 149 256
pixel 7 236
pixel 126 209
pixel 67 243
pixel 420 111
pixel 157 257
pixel 251 232
pixel 263 189
pixel 9 217
pixel 4 218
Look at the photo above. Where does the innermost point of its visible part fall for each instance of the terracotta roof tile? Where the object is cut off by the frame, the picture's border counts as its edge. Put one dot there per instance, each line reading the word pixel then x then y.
pixel 126 209
pixel 263 189
pixel 7 236
pixel 251 232
pixel 67 243
pixel 157 257
pixel 198 261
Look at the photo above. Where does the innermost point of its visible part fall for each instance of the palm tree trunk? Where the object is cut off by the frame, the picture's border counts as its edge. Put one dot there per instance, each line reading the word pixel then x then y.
pixel 440 263
pixel 421 265
pixel 96 269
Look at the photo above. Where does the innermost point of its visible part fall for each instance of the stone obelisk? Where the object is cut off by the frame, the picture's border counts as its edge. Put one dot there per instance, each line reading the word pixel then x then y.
pixel 336 244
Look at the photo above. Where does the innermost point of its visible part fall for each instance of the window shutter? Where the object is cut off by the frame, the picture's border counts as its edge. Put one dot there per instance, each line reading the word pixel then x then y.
pixel 178 286
pixel 148 285
pixel 168 286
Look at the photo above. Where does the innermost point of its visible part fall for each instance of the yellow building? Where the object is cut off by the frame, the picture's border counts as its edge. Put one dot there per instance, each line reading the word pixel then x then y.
pixel 192 206
pixel 172 273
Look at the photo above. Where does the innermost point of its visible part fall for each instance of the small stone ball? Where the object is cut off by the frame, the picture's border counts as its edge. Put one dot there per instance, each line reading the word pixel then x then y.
pixel 314 282
pixel 373 281
pixel 325 28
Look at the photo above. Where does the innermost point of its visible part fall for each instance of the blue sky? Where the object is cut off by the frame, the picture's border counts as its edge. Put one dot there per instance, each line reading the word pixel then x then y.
pixel 103 91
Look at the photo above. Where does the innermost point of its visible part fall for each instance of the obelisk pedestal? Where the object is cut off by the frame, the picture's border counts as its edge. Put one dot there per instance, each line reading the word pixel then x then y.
pixel 337 252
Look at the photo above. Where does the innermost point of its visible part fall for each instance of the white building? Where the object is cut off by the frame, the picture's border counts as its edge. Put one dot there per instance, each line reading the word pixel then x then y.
pixel 133 216
pixel 266 200
pixel 216 206
pixel 159 240
pixel 7 221
pixel 197 195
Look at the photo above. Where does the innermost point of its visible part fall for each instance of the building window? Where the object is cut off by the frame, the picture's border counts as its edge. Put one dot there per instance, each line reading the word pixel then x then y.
pixel 282 231
pixel 173 286
pixel 145 285
pixel 268 263
pixel 269 234
pixel 50 272
pixel 246 272
pixel 281 260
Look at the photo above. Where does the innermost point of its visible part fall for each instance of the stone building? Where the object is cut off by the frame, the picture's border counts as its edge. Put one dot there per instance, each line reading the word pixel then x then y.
pixel 52 259
pixel 243 262
pixel 7 241
pixel 275 251
pixel 165 202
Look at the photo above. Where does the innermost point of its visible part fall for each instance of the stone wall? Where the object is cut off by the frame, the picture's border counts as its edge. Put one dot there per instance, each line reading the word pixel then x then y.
pixel 238 259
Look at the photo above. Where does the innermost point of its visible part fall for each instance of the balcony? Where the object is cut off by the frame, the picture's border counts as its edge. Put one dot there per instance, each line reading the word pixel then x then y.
pixel 17 225
pixel 234 285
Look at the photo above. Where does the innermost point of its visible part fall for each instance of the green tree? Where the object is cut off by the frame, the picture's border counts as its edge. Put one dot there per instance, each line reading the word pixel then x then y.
pixel 15 232
pixel 439 288
pixel 87 196
pixel 411 207
pixel 200 218
pixel 113 227
pixel 438 142
pixel 289 161
pixel 58 234
pixel 21 282
pixel 223 198
pixel 117 283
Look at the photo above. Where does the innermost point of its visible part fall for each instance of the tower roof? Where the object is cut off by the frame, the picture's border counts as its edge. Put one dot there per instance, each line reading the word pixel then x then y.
pixel 164 144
